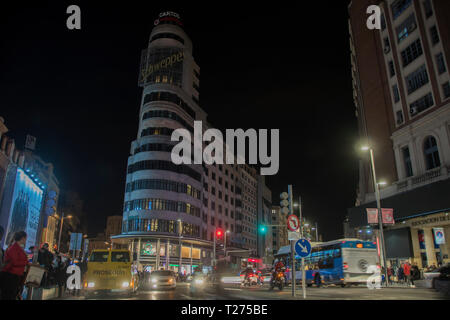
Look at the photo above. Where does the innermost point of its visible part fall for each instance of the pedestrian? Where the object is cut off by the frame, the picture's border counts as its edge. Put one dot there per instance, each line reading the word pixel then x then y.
pixel 15 261
pixel 407 273
pixel 400 274
pixel 45 260
pixel 390 272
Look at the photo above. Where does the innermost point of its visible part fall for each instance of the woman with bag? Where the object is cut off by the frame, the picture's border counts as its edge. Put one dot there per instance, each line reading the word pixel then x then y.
pixel 15 261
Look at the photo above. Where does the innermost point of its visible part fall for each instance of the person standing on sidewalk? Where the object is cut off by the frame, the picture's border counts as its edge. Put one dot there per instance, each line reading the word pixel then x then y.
pixel 407 273
pixel 15 262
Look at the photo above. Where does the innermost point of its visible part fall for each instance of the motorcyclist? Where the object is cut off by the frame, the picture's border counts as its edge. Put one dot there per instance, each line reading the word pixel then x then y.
pixel 278 267
pixel 248 273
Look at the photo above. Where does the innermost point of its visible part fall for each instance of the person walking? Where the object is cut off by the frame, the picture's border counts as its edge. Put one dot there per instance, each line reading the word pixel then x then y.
pixel 400 274
pixel 407 272
pixel 15 261
pixel 45 260
pixel 390 272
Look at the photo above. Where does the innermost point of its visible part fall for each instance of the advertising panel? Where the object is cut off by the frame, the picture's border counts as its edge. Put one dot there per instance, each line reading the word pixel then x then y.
pixel 162 65
pixel 372 216
pixel 439 236
pixel 25 208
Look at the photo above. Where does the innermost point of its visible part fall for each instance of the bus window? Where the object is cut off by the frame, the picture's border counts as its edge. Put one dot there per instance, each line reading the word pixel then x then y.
pixel 337 252
pixel 99 256
pixel 326 262
pixel 120 257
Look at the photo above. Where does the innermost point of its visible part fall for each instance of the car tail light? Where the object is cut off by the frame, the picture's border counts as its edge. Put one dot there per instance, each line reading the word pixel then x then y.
pixel 345 265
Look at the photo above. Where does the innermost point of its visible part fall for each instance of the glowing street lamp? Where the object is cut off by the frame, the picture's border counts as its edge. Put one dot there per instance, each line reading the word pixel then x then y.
pixel 377 195
pixel 60 230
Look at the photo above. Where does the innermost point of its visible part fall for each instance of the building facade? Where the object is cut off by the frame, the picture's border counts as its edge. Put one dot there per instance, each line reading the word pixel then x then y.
pixel 401 86
pixel 113 226
pixel 172 212
pixel 28 190
pixel 279 234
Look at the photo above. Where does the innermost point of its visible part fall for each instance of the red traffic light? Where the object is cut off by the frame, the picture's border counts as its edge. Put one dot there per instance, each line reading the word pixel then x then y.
pixel 219 233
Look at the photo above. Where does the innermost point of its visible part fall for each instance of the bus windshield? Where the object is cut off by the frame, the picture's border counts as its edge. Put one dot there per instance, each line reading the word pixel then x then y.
pixel 99 256
pixel 120 257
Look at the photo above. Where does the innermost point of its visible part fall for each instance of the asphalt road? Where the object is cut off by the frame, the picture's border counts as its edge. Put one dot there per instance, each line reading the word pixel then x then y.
pixel 182 292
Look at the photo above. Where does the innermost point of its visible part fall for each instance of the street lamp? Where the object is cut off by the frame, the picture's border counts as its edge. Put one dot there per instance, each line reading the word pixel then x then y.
pixel 60 230
pixel 179 243
pixel 380 220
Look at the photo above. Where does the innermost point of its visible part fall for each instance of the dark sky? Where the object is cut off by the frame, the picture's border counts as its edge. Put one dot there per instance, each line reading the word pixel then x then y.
pixel 262 66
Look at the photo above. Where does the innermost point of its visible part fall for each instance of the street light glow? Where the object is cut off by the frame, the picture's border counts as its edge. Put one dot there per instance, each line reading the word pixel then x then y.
pixel 382 183
pixel 365 148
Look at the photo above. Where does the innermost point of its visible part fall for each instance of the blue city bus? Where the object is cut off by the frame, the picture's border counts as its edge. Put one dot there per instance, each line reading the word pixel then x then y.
pixel 341 262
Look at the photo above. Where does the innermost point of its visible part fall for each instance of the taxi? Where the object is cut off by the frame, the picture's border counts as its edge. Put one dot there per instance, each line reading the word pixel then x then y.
pixel 110 271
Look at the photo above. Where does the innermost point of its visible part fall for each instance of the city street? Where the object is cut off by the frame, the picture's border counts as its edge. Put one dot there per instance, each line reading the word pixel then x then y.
pixel 325 293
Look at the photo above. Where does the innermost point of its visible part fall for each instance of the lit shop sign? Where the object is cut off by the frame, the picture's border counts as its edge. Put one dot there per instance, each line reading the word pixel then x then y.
pixel 430 220
pixel 168 16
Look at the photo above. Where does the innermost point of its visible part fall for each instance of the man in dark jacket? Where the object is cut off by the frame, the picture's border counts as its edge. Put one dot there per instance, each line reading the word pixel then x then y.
pixel 45 259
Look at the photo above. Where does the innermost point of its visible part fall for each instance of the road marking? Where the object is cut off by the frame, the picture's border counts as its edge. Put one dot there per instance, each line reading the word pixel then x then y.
pixel 233 289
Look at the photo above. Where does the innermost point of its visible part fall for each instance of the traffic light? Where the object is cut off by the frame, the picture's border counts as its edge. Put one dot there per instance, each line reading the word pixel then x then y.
pixel 262 229
pixel 219 233
pixel 285 203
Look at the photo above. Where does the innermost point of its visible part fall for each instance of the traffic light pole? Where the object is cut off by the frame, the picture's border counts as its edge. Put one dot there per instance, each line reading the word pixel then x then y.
pixel 214 249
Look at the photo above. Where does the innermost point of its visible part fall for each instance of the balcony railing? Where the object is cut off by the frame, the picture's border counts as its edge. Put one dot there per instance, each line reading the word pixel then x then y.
pixel 426 177
pixel 430 175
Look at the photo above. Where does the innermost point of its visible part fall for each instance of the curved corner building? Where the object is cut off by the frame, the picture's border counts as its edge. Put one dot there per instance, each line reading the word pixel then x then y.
pixel 163 201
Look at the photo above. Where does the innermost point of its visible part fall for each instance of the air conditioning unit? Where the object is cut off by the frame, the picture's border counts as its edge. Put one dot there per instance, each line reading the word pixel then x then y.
pixel 414 110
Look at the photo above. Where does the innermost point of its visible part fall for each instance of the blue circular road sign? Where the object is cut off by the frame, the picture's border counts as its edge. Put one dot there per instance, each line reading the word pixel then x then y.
pixel 303 248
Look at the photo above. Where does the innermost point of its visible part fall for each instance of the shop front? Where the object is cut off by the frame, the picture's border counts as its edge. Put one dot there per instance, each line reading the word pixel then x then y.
pixel 424 237
pixel 168 253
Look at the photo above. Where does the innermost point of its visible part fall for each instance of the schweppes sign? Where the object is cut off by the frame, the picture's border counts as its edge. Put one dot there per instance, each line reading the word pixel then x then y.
pixel 162 64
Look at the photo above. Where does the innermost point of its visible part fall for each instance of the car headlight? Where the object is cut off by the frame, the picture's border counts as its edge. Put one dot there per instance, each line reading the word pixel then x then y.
pixel 125 284
pixel 198 281
pixel 154 280
pixel 91 284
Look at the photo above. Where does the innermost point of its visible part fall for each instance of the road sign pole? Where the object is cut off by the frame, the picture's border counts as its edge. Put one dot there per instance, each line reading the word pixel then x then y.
pixel 303 259
pixel 303 249
pixel 292 244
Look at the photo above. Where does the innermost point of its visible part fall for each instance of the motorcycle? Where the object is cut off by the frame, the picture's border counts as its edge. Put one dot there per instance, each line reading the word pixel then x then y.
pixel 277 280
pixel 250 280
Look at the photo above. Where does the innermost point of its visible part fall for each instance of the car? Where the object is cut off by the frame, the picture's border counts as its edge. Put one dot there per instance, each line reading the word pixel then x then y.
pixel 162 279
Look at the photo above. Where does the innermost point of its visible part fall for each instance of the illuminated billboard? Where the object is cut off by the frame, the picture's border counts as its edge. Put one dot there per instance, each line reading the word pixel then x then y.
pixel 24 208
pixel 161 65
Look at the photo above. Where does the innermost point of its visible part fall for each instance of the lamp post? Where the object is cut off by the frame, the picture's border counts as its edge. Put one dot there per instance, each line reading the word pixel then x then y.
pixel 60 229
pixel 179 243
pixel 380 219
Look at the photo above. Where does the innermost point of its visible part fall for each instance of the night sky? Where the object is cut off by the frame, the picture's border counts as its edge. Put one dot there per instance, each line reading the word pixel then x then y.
pixel 262 66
